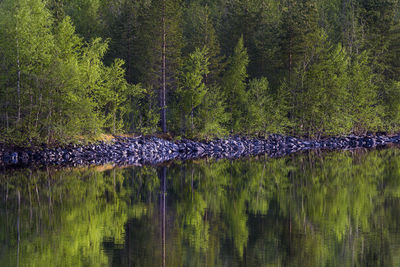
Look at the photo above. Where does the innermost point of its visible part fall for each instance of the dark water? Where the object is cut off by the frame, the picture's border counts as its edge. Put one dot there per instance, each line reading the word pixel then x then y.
pixel 314 209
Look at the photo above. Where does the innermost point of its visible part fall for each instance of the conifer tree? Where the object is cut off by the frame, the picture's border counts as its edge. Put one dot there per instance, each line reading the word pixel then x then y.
pixel 213 103
pixel 192 89
pixel 299 31
pixel 199 31
pixel 323 92
pixel 234 84
pixel 157 50
pixel 86 15
pixel 315 67
pixel 267 110
pixel 363 99
pixel 259 23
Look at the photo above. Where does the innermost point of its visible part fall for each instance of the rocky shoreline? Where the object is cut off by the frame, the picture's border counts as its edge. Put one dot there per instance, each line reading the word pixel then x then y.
pixel 153 150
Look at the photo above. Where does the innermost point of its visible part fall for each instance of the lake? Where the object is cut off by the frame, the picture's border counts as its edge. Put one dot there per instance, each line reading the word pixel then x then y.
pixel 317 208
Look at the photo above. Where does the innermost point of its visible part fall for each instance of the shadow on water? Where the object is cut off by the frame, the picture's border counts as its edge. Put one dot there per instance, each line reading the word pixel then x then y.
pixel 311 209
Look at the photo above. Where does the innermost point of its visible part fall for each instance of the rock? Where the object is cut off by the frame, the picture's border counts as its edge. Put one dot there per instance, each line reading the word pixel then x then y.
pixel 154 150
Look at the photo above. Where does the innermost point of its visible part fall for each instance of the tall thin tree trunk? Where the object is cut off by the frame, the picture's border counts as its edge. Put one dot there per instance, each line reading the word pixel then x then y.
pixel 38 112
pixel 163 70
pixel 6 111
pixel 18 85
pixel 31 116
pixel 128 65
pixel 48 124
pixel 192 121
pixel 206 42
pixel 114 122
pixel 191 115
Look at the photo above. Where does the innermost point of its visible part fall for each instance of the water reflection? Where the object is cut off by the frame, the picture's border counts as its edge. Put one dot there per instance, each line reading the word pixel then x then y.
pixel 335 209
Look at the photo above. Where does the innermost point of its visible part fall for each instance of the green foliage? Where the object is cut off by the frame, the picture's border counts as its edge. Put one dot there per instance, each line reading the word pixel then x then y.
pixel 267 110
pixel 299 33
pixel 199 31
pixel 234 84
pixel 115 103
pixel 323 92
pixel 212 116
pixel 82 67
pixel 192 90
pixel 63 90
pixel 143 112
pixel 391 98
pixel 86 14
pixel 363 98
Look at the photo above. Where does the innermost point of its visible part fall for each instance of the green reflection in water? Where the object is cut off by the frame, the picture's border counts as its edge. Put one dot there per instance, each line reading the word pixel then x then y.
pixel 330 209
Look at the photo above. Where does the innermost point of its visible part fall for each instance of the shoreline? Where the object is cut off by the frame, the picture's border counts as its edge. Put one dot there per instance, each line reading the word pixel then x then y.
pixel 154 150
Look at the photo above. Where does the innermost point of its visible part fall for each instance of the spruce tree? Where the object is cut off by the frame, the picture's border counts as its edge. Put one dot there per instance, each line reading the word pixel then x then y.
pixel 192 88
pixel 364 106
pixel 299 34
pixel 259 23
pixel 267 110
pixel 323 92
pixel 234 84
pixel 157 49
pixel 86 15
pixel 199 32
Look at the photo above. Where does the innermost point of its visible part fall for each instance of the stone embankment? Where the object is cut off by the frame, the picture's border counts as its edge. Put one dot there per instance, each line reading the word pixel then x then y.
pixel 152 150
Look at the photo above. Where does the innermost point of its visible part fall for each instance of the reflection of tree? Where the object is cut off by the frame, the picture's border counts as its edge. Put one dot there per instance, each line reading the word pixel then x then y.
pixel 163 195
pixel 64 217
pixel 325 206
pixel 338 208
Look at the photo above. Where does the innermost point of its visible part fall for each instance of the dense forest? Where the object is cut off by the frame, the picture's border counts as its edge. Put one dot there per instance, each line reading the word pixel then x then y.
pixel 198 68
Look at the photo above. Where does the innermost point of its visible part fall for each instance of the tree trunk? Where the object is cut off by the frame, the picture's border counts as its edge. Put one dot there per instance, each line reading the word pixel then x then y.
pixel 18 224
pixel 114 122
pixel 163 193
pixel 6 111
pixel 38 112
pixel 18 85
pixel 163 70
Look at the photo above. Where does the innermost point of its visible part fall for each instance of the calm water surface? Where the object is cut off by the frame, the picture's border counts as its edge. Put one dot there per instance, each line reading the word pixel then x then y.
pixel 313 209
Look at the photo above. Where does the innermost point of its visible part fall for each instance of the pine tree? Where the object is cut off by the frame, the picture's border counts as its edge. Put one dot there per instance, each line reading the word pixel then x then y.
pixel 299 30
pixel 267 110
pixel 157 49
pixel 323 92
pixel 378 18
pixel 192 89
pixel 234 84
pixel 199 32
pixel 121 26
pixel 391 106
pixel 86 15
pixel 259 23
pixel 299 33
pixel 363 99
pixel 213 103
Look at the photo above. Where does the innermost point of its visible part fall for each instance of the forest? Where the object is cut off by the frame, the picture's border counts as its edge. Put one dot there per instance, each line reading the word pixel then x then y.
pixel 73 69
